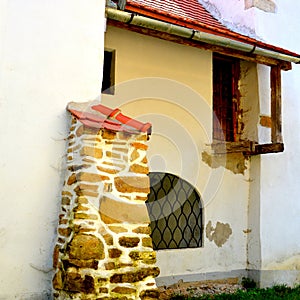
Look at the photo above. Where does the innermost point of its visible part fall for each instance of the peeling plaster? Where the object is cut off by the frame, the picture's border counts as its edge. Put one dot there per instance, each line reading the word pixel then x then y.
pixel 219 234
pixel 234 162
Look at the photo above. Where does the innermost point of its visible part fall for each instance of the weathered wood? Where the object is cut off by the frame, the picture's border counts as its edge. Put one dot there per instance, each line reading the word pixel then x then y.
pixel 269 148
pixel 233 147
pixel 201 45
pixel 275 78
pixel 246 147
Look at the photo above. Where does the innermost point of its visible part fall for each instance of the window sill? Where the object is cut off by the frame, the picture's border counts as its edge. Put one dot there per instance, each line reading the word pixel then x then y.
pixel 246 147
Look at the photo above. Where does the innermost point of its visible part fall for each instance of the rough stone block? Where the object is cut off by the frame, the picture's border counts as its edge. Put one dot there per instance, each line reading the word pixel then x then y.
pixel 139 146
pixel 134 155
pixel 135 276
pixel 124 290
pixel 71 179
pixel 152 294
pixel 87 247
pixel 108 170
pixel 118 229
pixel 130 184
pixel 55 256
pixel 81 200
pixel 65 201
pixel 142 230
pixel 128 241
pixel 148 257
pixel 87 130
pixel 85 216
pixel 147 242
pixel 120 211
pixel 91 151
pixel 80 263
pixel 80 208
pixel 114 253
pixel 113 155
pixel 109 240
pixel 108 134
pixel 110 266
pixel 91 177
pixel 66 193
pixel 64 231
pixel 75 168
pixel 57 281
pixel 136 168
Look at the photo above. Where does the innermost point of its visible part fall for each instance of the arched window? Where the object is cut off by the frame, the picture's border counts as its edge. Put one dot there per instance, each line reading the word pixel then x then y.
pixel 175 211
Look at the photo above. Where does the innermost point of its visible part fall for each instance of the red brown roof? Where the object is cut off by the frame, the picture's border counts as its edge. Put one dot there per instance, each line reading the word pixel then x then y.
pixel 102 117
pixel 191 14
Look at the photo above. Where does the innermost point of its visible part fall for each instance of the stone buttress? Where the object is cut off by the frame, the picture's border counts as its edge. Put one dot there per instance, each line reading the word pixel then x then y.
pixel 104 249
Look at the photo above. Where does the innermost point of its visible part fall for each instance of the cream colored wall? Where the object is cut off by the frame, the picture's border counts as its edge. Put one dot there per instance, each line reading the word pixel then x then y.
pixel 170 85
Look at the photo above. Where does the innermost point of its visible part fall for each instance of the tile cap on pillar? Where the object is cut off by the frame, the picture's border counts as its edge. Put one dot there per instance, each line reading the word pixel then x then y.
pixel 102 117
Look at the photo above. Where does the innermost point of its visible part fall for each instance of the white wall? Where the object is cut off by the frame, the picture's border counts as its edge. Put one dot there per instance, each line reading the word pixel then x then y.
pixel 50 53
pixel 280 181
pixel 232 14
pixel 275 196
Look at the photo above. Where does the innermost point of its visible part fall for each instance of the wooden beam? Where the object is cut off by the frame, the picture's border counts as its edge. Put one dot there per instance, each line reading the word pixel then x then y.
pixel 233 147
pixel 269 148
pixel 201 45
pixel 275 78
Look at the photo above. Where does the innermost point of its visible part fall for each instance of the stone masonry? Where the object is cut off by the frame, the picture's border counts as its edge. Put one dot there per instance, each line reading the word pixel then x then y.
pixel 104 249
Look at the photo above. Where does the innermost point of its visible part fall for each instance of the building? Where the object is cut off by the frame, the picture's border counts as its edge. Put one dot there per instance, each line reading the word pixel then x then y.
pixel 52 53
pixel 173 64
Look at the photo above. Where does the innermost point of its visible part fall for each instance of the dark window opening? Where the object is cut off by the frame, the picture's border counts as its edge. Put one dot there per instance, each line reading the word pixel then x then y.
pixel 225 98
pixel 175 211
pixel 108 81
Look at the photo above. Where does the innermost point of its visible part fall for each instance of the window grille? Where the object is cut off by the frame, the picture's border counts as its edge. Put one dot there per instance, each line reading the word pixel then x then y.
pixel 175 211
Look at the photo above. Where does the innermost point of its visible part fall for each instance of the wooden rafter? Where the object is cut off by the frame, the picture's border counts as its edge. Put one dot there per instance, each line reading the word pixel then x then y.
pixel 284 65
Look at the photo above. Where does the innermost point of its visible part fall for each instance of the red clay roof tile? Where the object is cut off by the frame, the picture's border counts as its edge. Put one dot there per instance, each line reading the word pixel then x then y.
pixel 191 14
pixel 103 117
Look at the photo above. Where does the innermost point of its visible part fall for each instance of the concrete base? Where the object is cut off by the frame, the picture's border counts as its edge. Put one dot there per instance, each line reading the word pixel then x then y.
pixel 268 278
pixel 263 278
pixel 169 280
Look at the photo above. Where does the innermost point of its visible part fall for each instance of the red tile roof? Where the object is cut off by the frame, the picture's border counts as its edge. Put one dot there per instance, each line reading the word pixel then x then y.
pixel 191 14
pixel 102 117
pixel 178 10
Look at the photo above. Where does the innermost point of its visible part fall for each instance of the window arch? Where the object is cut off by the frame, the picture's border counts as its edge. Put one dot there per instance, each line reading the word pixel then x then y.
pixel 175 211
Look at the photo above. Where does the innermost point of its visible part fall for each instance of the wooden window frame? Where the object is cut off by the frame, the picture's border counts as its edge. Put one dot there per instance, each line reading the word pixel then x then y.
pixel 225 108
pixel 252 147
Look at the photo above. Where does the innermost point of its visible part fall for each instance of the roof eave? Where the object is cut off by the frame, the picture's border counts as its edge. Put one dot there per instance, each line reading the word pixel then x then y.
pixel 200 32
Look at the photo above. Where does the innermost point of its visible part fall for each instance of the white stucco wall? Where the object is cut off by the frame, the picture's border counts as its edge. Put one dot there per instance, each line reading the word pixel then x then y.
pixel 280 188
pixel 51 53
pixel 275 195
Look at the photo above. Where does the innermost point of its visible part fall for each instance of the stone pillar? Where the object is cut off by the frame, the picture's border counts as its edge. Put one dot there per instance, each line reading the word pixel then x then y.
pixel 104 249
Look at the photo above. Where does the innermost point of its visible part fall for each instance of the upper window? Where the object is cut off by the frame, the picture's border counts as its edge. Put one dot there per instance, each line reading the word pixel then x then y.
pixel 108 79
pixel 175 211
pixel 226 74
pixel 236 107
